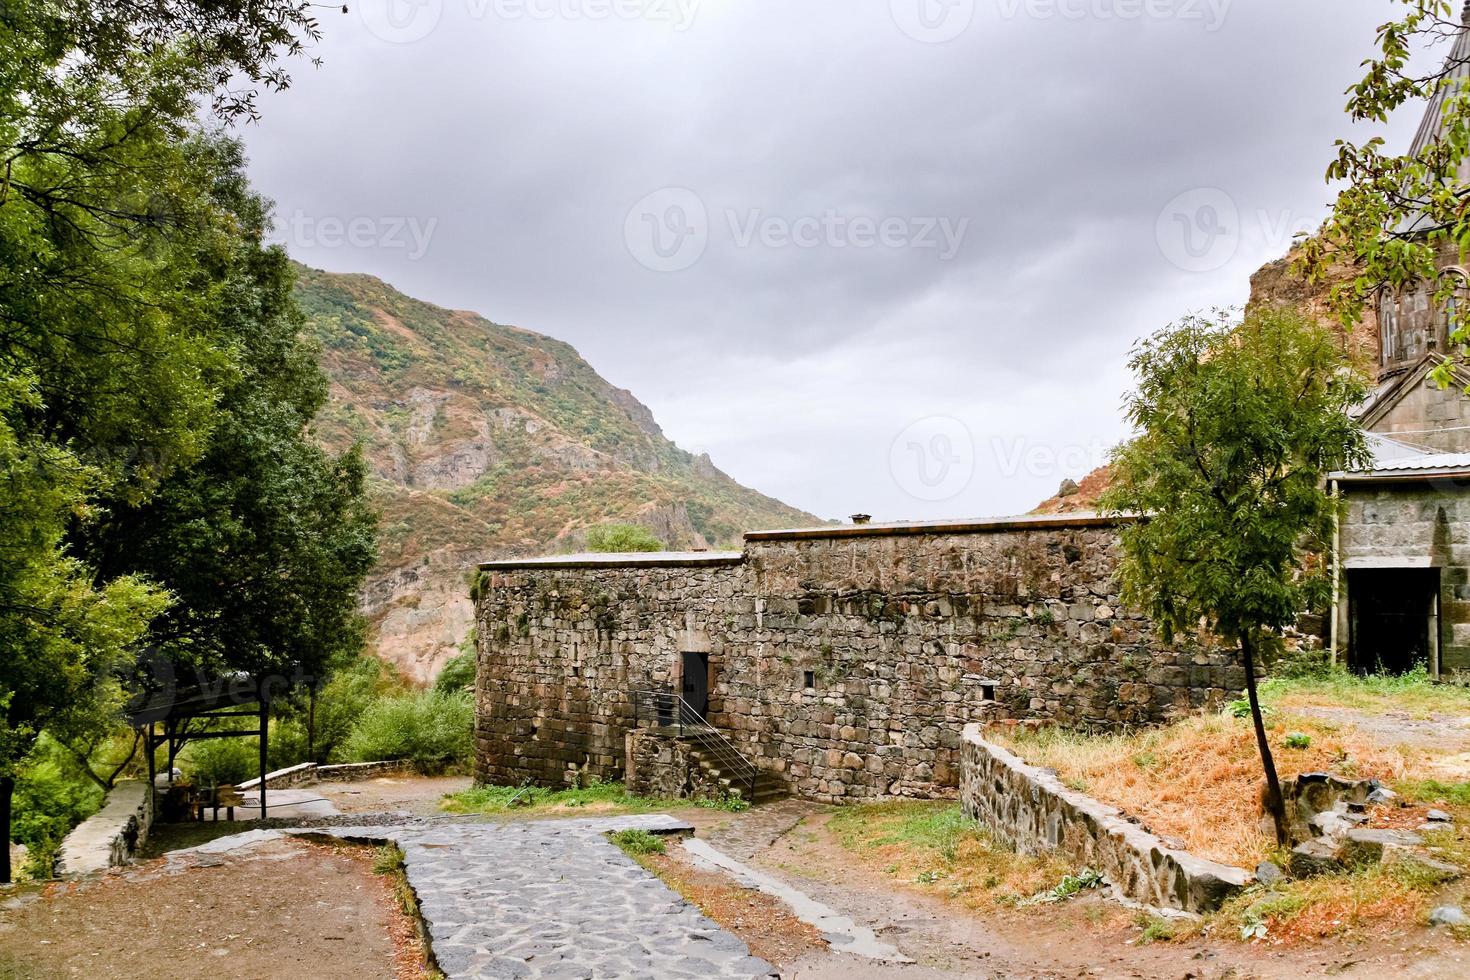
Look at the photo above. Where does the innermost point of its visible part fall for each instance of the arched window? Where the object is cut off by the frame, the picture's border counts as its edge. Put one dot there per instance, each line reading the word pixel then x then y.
pixel 1458 301
pixel 1388 326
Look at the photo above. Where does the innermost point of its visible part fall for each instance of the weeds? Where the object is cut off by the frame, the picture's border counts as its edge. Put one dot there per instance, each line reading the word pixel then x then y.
pixel 599 796
pixel 636 842
pixel 1069 886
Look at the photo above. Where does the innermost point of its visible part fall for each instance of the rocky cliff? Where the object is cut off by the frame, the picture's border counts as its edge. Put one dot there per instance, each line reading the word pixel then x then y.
pixel 488 441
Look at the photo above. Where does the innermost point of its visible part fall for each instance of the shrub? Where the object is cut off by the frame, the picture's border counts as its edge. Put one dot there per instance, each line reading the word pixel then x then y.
pixel 51 797
pixel 622 538
pixel 430 728
pixel 457 674
pixel 221 761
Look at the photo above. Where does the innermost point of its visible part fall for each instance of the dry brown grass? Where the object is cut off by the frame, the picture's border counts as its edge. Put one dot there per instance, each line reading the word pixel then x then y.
pixel 1199 780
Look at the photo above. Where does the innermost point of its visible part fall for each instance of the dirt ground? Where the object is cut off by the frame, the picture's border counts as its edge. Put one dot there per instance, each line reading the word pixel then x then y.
pixel 392 794
pixel 1087 937
pixel 286 909
pixel 765 924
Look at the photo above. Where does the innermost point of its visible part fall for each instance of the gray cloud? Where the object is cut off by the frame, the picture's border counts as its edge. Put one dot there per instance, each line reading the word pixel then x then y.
pixel 797 358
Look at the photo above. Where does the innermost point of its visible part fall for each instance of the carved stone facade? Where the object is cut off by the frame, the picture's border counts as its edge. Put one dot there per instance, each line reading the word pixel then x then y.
pixel 846 659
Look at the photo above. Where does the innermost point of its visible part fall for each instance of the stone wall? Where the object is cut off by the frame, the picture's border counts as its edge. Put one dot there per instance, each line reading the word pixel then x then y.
pixel 1031 810
pixel 307 773
pixel 847 660
pixel 667 768
pixel 112 835
pixel 1417 524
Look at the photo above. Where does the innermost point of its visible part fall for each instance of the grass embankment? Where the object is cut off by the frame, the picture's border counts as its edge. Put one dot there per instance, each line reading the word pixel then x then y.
pixel 597 798
pixel 1414 694
pixel 933 845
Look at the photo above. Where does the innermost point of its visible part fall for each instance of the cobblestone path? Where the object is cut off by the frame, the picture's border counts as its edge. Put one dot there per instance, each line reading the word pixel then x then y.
pixel 556 899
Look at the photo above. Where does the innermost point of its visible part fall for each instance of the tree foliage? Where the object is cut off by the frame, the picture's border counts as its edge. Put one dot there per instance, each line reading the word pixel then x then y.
pixel 1237 428
pixel 1398 210
pixel 154 394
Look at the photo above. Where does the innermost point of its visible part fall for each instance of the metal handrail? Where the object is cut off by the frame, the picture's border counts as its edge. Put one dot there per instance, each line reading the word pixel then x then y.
pixel 672 711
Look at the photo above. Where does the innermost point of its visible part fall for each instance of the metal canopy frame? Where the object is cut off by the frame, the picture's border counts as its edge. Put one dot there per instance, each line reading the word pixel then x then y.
pixel 235 696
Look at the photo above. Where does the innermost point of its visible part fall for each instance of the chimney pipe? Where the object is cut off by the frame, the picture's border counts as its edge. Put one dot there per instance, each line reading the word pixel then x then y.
pixel 861 518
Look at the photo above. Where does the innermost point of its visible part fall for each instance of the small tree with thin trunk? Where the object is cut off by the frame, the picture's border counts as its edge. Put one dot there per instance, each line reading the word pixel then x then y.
pixel 1237 427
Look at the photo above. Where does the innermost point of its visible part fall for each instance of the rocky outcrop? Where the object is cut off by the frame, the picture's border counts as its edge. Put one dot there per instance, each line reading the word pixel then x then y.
pixel 486 440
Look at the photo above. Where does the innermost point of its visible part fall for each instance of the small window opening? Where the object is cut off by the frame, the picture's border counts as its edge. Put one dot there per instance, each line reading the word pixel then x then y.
pixel 536 728
pixel 809 678
pixel 987 691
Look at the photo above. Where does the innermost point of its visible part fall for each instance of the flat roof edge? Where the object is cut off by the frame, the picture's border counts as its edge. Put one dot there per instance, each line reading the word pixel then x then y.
pixel 646 559
pixel 1029 522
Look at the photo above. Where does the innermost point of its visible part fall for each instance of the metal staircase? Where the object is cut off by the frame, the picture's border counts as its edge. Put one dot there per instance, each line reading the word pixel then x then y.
pixel 715 755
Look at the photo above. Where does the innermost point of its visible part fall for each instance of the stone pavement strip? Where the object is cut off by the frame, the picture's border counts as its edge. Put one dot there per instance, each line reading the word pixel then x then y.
pixel 555 899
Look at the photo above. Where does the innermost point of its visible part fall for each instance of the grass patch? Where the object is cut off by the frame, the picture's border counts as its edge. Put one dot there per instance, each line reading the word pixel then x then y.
pixel 636 842
pixel 934 846
pixel 1198 779
pixel 1415 692
pixel 1316 908
pixel 596 797
pixel 388 861
pixel 1433 791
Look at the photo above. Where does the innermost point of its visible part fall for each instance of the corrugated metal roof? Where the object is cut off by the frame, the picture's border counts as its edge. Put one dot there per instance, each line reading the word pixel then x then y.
pixel 1392 458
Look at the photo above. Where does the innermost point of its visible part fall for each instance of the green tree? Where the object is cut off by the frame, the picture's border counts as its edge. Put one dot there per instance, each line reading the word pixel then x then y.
pixel 1237 425
pixel 1398 210
pixel 622 538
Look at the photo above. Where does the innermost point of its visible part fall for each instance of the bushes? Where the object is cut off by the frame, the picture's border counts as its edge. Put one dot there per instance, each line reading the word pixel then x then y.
pixel 623 538
pixel 221 761
pixel 430 728
pixel 51 797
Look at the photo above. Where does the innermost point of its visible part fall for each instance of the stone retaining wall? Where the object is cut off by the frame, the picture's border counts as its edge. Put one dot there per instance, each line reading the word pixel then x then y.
pixel 111 836
pixel 1030 809
pixel 307 773
pixel 846 660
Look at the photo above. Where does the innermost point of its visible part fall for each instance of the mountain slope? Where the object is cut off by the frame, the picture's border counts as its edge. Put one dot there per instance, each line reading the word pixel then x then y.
pixel 491 441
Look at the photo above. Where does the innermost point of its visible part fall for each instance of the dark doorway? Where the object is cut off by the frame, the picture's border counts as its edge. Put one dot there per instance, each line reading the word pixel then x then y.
pixel 696 682
pixel 1393 615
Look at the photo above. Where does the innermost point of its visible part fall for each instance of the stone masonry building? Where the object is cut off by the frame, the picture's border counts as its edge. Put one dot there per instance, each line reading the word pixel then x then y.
pixel 844 661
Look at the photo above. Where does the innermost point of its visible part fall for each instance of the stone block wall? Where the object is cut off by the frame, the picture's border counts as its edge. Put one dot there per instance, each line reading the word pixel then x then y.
pixel 1031 810
pixel 847 660
pixel 1422 524
pixel 666 768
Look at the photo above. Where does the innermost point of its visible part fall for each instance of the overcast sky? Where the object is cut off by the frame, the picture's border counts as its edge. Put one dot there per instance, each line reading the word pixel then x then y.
pixel 871 255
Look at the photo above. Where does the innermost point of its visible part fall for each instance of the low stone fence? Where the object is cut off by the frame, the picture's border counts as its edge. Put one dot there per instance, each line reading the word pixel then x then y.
pixel 1031 809
pixel 310 772
pixel 112 835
